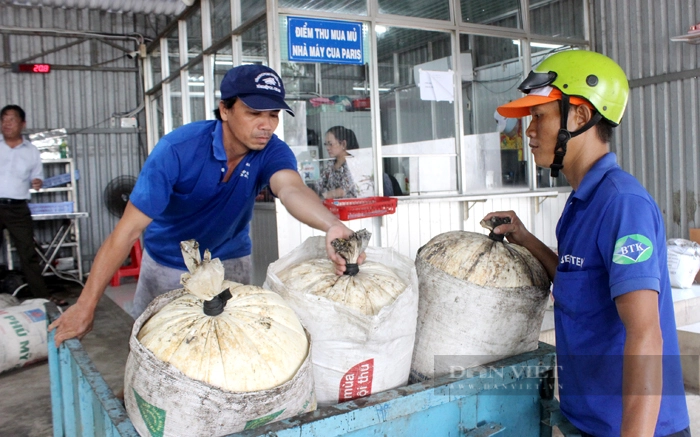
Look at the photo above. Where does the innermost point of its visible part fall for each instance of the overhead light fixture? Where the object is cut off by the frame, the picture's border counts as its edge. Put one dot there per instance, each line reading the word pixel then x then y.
pixel 380 29
pixel 360 88
pixel 540 44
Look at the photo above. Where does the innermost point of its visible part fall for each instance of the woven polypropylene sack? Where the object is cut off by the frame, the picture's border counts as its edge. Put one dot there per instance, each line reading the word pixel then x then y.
pixel 23 334
pixel 354 354
pixel 488 305
pixel 162 401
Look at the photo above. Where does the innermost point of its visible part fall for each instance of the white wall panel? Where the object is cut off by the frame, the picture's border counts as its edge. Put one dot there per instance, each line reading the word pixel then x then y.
pixel 416 222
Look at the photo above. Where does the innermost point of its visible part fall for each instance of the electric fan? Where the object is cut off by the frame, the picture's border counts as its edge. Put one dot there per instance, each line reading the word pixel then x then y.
pixel 116 194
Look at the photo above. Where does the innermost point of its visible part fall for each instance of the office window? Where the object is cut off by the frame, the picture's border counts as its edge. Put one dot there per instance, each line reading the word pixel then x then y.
pixel 504 13
pixel 156 67
pixel 561 18
pixel 220 19
pixel 435 9
pixel 416 103
pixel 194 35
pixel 493 147
pixel 331 99
pixel 195 83
pixel 173 44
pixel 355 7
pixel 176 102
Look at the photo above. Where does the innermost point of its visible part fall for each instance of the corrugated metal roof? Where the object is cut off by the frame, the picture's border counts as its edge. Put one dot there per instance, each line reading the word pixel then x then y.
pixel 166 7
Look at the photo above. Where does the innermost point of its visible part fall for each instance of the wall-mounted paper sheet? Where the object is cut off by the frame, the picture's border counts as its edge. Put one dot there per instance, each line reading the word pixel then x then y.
pixel 437 85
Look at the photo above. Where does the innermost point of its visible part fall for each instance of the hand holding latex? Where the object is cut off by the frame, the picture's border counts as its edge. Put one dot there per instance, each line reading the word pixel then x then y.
pixel 339 231
pixel 514 231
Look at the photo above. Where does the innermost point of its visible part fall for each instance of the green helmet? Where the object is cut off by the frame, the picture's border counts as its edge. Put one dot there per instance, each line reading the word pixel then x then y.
pixel 585 74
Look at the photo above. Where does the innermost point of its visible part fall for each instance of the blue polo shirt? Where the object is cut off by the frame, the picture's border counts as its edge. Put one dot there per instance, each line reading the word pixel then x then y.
pixel 180 187
pixel 612 241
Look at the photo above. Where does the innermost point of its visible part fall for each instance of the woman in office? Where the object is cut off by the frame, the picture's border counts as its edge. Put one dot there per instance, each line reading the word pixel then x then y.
pixel 336 180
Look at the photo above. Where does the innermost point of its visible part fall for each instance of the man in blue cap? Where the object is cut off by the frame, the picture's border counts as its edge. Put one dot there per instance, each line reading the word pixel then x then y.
pixel 200 182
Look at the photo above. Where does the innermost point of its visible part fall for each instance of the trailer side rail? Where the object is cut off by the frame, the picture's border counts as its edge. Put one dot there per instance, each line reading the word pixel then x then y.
pixel 82 403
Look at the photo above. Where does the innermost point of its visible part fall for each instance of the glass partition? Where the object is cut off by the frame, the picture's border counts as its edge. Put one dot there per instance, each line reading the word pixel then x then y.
pixel 435 9
pixel 561 18
pixel 220 19
pixel 331 134
pixel 503 13
pixel 223 62
pixel 156 67
pixel 176 102
pixel 157 116
pixel 429 146
pixel 173 50
pixel 254 42
pixel 354 7
pixel 416 103
pixel 251 8
pixel 194 35
pixel 195 82
pixel 493 149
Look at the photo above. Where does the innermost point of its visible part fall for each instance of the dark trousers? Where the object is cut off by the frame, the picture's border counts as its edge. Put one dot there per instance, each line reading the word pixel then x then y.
pixel 18 221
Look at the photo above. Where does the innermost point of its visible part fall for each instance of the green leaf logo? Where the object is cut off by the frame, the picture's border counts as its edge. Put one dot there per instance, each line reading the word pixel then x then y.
pixel 632 249
pixel 260 421
pixel 153 417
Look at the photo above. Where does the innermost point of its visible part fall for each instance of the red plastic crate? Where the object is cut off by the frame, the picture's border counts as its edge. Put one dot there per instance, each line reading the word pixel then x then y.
pixel 361 103
pixel 351 209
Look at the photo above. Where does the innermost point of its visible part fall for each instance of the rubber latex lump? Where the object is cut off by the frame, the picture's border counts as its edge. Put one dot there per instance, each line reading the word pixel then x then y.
pixel 366 288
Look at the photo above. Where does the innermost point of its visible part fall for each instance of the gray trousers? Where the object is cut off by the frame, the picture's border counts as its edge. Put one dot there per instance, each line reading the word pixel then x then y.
pixel 156 279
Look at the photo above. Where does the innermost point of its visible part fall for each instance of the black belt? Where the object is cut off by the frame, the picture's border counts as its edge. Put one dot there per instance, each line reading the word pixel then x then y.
pixel 5 201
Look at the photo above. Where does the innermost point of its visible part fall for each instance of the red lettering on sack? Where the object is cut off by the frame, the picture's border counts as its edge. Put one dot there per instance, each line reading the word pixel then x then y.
pixel 357 382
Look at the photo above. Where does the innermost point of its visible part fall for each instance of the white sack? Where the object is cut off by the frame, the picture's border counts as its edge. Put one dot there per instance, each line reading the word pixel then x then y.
pixel 354 355
pixel 161 400
pixel 23 334
pixel 683 262
pixel 256 343
pixel 489 307
pixel 8 300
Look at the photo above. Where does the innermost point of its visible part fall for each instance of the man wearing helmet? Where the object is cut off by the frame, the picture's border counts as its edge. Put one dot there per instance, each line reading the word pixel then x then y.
pixel 617 348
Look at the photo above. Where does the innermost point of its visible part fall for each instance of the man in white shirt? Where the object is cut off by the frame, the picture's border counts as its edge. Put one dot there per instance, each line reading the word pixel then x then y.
pixel 20 170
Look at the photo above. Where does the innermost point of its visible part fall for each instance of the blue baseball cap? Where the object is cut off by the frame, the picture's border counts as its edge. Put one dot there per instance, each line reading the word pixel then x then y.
pixel 258 86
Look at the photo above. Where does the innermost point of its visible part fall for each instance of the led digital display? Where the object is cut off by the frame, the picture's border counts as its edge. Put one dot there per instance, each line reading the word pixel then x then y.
pixel 31 68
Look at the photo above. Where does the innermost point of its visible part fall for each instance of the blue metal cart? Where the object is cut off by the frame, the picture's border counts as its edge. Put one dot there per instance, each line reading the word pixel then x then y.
pixel 510 397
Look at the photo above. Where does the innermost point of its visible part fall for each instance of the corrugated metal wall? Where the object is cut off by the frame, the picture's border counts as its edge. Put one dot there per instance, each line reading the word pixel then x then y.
pixel 90 82
pixel 659 138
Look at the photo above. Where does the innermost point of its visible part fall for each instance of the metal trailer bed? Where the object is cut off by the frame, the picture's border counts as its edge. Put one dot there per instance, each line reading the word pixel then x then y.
pixel 512 400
